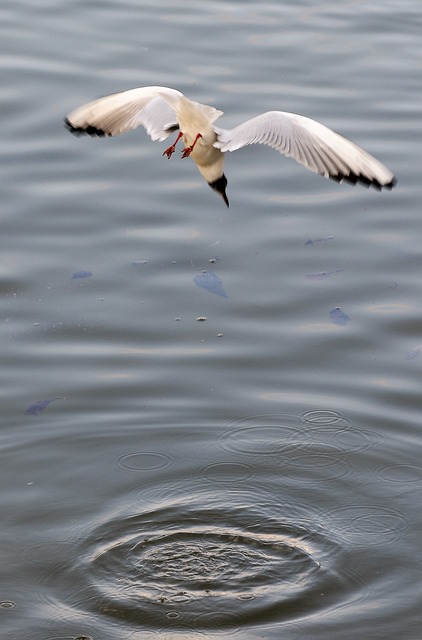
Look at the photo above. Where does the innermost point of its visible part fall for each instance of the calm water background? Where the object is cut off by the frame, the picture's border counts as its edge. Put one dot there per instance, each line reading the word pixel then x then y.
pixel 256 474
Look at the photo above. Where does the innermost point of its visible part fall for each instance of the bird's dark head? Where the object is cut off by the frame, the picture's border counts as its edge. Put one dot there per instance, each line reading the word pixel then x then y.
pixel 220 185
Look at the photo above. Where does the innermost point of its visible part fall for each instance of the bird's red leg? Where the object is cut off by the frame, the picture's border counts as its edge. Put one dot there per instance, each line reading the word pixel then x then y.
pixel 172 148
pixel 188 150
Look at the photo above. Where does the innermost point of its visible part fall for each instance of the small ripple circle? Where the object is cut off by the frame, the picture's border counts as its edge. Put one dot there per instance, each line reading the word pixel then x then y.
pixel 143 461
pixel 260 434
pixel 325 417
pixel 371 524
pixel 405 473
pixel 226 472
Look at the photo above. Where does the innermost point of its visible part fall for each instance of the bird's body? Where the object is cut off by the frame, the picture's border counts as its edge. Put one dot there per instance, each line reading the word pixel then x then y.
pixel 194 118
pixel 161 111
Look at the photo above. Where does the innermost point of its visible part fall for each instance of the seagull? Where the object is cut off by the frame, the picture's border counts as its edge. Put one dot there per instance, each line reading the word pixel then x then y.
pixel 161 111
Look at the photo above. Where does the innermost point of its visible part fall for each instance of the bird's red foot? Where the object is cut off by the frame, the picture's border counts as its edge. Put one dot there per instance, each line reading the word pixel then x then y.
pixel 172 148
pixel 169 152
pixel 188 150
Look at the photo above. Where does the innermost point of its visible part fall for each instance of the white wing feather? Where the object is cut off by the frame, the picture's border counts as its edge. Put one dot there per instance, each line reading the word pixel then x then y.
pixel 161 110
pixel 311 144
pixel 121 112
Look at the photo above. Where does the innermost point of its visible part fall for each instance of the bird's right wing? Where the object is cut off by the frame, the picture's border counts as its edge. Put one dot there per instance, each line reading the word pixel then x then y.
pixel 310 143
pixel 121 112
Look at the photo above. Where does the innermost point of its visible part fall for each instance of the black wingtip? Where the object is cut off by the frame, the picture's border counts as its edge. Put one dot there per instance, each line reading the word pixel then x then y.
pixel 81 131
pixel 220 186
pixel 353 179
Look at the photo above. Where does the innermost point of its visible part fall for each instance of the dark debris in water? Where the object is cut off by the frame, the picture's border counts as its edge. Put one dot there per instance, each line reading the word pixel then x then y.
pixel 312 242
pixel 81 274
pixel 37 407
pixel 339 317
pixel 323 275
pixel 209 281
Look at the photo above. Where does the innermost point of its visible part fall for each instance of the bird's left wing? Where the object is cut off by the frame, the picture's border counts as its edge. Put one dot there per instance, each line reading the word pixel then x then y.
pixel 121 112
pixel 311 144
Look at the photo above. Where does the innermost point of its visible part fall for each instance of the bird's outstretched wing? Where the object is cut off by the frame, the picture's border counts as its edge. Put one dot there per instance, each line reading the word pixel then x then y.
pixel 311 144
pixel 121 112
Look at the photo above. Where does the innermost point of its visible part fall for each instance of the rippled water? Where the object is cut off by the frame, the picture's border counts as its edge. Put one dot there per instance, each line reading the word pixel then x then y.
pixel 177 463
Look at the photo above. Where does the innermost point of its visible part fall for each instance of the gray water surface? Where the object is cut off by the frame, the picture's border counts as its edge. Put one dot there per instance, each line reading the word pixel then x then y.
pixel 177 462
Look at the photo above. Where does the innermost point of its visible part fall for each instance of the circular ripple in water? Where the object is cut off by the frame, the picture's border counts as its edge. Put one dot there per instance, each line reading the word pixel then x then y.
pixel 144 461
pixel 290 435
pixel 219 566
pixel 263 434
pixel 316 442
pixel 406 473
pixel 226 472
pixel 366 525
pixel 325 417
pixel 331 426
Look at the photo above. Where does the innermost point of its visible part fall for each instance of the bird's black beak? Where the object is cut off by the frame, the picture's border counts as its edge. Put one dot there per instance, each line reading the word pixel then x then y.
pixel 220 186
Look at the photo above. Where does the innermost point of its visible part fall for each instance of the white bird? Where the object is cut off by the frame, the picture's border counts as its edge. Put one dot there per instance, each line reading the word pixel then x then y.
pixel 162 110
